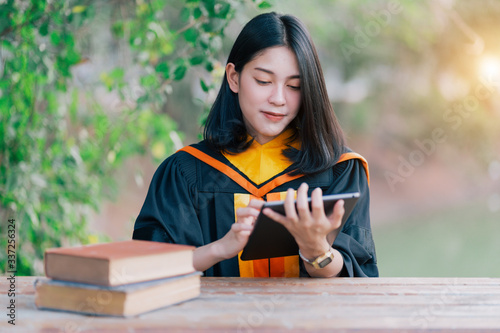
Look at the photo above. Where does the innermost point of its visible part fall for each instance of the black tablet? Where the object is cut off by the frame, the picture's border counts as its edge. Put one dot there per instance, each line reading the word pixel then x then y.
pixel 270 239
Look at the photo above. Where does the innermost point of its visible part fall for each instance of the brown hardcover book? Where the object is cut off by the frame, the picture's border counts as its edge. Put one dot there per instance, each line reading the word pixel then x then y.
pixel 117 263
pixel 124 301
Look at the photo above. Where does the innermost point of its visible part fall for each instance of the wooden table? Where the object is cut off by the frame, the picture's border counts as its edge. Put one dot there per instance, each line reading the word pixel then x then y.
pixel 291 305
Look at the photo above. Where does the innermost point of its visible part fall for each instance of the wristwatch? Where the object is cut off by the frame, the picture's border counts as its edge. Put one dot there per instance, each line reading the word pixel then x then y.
pixel 320 261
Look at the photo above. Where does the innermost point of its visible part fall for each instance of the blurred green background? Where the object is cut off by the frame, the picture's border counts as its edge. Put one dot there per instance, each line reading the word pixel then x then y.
pixel 95 94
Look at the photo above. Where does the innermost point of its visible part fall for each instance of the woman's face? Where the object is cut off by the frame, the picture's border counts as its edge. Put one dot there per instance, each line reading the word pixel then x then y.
pixel 268 89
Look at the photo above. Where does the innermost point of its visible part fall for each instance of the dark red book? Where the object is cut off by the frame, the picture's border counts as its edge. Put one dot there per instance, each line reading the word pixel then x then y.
pixel 118 263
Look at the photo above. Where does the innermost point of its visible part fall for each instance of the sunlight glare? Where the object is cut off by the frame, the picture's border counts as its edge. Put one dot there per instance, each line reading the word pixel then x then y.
pixel 489 67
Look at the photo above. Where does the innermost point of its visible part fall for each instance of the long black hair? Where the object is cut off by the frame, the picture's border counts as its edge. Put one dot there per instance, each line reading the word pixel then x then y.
pixel 317 127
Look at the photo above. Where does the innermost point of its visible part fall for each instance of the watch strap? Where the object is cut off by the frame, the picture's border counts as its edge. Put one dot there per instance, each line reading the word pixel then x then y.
pixel 320 261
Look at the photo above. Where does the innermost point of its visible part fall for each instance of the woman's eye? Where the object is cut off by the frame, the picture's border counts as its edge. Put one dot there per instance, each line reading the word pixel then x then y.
pixel 262 82
pixel 295 87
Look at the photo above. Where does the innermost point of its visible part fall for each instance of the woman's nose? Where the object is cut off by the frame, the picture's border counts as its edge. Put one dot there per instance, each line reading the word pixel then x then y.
pixel 277 96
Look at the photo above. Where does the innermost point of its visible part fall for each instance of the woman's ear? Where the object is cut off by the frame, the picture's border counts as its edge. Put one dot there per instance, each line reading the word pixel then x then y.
pixel 232 77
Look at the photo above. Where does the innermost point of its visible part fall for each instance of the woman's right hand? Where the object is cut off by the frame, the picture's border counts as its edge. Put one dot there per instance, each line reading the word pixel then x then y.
pixel 233 242
pixel 237 237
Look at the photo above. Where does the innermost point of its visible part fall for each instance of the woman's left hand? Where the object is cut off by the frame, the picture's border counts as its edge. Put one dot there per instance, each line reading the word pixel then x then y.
pixel 313 231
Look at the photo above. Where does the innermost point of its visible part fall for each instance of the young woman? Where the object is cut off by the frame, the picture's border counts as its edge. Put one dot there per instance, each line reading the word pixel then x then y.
pixel 270 135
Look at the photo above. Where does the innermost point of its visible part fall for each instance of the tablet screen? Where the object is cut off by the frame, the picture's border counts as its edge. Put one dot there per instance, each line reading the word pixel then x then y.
pixel 270 239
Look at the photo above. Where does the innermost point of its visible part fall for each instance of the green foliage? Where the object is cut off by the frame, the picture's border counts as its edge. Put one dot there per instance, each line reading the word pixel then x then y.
pixel 60 145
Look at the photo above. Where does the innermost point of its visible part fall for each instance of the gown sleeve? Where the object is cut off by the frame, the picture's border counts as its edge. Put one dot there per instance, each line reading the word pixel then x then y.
pixel 169 212
pixel 355 240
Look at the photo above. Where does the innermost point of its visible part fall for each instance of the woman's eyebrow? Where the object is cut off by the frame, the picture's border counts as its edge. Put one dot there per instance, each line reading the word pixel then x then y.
pixel 296 76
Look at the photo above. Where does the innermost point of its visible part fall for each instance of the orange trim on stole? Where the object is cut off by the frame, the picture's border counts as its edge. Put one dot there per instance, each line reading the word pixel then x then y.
pixel 352 156
pixel 260 192
pixel 277 265
pixel 236 177
pixel 291 262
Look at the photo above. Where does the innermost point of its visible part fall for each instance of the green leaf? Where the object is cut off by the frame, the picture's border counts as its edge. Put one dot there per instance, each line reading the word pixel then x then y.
pixel 143 99
pixel 118 29
pixel 191 35
pixel 210 7
pixel 44 28
pixel 204 86
pixel 117 74
pixel 264 5
pixel 72 57
pixel 185 14
pixel 78 9
pixel 197 60
pixel 69 40
pixel 209 66
pixel 63 66
pixel 107 80
pixel 55 38
pixel 223 10
pixel 163 69
pixel 7 45
pixel 197 13
pixel 149 81
pixel 180 72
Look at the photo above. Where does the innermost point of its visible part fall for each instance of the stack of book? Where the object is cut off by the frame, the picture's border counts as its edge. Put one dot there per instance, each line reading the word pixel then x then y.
pixel 117 279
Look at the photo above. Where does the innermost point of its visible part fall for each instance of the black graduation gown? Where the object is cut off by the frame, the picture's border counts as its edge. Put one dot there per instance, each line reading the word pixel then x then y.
pixel 191 202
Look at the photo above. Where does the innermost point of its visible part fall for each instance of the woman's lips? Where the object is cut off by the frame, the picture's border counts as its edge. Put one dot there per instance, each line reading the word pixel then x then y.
pixel 274 116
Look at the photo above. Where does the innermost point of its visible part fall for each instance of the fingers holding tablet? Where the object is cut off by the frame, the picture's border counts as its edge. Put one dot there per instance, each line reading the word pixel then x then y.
pixel 270 236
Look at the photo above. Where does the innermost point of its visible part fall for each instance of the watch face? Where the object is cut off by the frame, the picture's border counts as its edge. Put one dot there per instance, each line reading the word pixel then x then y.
pixel 325 262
